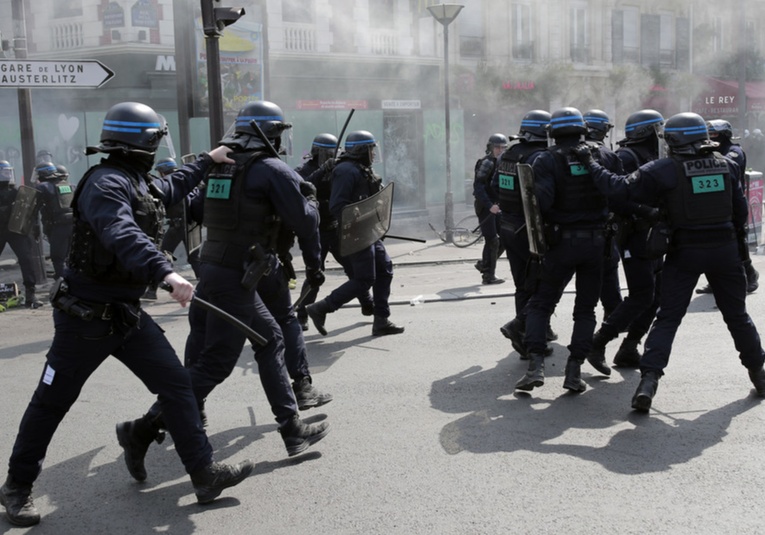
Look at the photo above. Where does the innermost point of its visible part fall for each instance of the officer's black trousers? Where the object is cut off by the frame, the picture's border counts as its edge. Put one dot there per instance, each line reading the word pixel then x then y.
pixel 516 243
pixel 78 349
pixel 725 273
pixel 214 345
pixel 370 268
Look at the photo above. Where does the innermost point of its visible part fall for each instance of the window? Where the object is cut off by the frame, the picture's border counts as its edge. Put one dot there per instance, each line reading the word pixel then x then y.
pixel 667 40
pixel 471 33
pixel 297 11
pixel 67 8
pixel 521 32
pixel 382 14
pixel 578 41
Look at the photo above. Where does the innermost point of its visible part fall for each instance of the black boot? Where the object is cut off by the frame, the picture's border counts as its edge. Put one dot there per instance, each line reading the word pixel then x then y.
pixel 573 380
pixel 318 313
pixel 298 435
pixel 551 335
pixel 19 506
pixel 383 326
pixel 135 437
pixel 628 355
pixel 646 390
pixel 307 395
pixel 367 306
pixel 757 377
pixel 30 299
pixel 597 355
pixel 210 481
pixel 513 331
pixel 535 375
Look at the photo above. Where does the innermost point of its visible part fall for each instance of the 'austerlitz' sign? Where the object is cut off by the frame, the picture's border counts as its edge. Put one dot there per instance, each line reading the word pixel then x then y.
pixel 43 73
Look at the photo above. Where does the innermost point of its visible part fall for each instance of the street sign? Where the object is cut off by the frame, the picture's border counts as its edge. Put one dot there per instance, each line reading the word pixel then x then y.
pixel 43 73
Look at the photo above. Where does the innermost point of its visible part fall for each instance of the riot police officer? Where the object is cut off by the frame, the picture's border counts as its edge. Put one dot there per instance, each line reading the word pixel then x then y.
pixel 56 211
pixel 317 170
pixel 721 132
pixel 117 215
pixel 643 273
pixel 353 180
pixel 487 208
pixel 598 126
pixel 22 245
pixel 574 213
pixel 706 211
pixel 245 203
pixel 532 141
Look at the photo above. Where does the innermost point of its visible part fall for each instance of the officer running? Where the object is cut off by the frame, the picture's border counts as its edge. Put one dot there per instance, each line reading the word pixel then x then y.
pixel 353 180
pixel 117 215
pixel 245 202
pixel 532 142
pixel 317 170
pixel 700 190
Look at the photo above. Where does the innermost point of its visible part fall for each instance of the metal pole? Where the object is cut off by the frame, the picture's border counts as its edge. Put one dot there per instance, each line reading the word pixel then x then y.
pixel 448 196
pixel 742 100
pixel 24 94
pixel 184 45
pixel 214 90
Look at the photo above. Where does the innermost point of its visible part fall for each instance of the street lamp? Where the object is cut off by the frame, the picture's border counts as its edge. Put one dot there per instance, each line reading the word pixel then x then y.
pixel 445 14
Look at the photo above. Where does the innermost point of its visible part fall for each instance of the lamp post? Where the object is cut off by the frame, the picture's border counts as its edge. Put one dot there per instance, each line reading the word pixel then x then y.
pixel 445 14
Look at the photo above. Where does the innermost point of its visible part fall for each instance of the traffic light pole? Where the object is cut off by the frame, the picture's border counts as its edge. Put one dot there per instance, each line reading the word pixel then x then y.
pixel 214 20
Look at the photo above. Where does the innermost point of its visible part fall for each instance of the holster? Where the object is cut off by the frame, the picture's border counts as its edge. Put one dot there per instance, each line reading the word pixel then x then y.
pixel 258 266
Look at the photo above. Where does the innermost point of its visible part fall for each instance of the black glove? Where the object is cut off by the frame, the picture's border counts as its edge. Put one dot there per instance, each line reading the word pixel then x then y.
pixel 315 277
pixel 583 153
pixel 649 213
pixel 309 191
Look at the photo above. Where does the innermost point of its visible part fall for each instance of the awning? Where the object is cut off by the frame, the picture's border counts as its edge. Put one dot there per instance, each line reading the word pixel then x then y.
pixel 720 98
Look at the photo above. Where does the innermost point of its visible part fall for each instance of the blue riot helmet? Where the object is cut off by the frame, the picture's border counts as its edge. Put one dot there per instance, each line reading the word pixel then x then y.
pixel 131 127
pixel 360 145
pixel 269 118
pixel 6 172
pixel 499 141
pixel 62 172
pixel 686 133
pixel 323 148
pixel 534 125
pixel 719 128
pixel 567 121
pixel 641 125
pixel 165 166
pixel 598 125
pixel 45 171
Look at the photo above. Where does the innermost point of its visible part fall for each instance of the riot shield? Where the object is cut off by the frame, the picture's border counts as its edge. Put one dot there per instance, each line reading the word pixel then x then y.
pixel 534 223
pixel 24 211
pixel 363 223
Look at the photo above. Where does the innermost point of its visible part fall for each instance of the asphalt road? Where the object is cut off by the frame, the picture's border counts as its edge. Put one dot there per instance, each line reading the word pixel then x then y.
pixel 427 436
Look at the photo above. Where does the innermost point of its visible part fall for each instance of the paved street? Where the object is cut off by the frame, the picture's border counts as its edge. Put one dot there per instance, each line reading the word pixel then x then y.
pixel 427 435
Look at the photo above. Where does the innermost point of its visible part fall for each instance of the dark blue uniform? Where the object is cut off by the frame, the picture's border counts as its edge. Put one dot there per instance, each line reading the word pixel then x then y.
pixel 56 214
pixel 328 235
pixel 214 345
pixel 703 241
pixel 574 214
pixel 370 267
pixel 111 285
pixel 485 198
pixel 22 246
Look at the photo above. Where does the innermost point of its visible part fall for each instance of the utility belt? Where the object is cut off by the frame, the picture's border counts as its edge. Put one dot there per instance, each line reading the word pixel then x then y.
pixel 254 260
pixel 126 313
pixel 557 232
pixel 702 238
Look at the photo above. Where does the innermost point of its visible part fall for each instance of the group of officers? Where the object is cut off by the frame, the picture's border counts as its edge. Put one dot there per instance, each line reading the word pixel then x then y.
pixel 669 203
pixel 48 203
pixel 253 206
